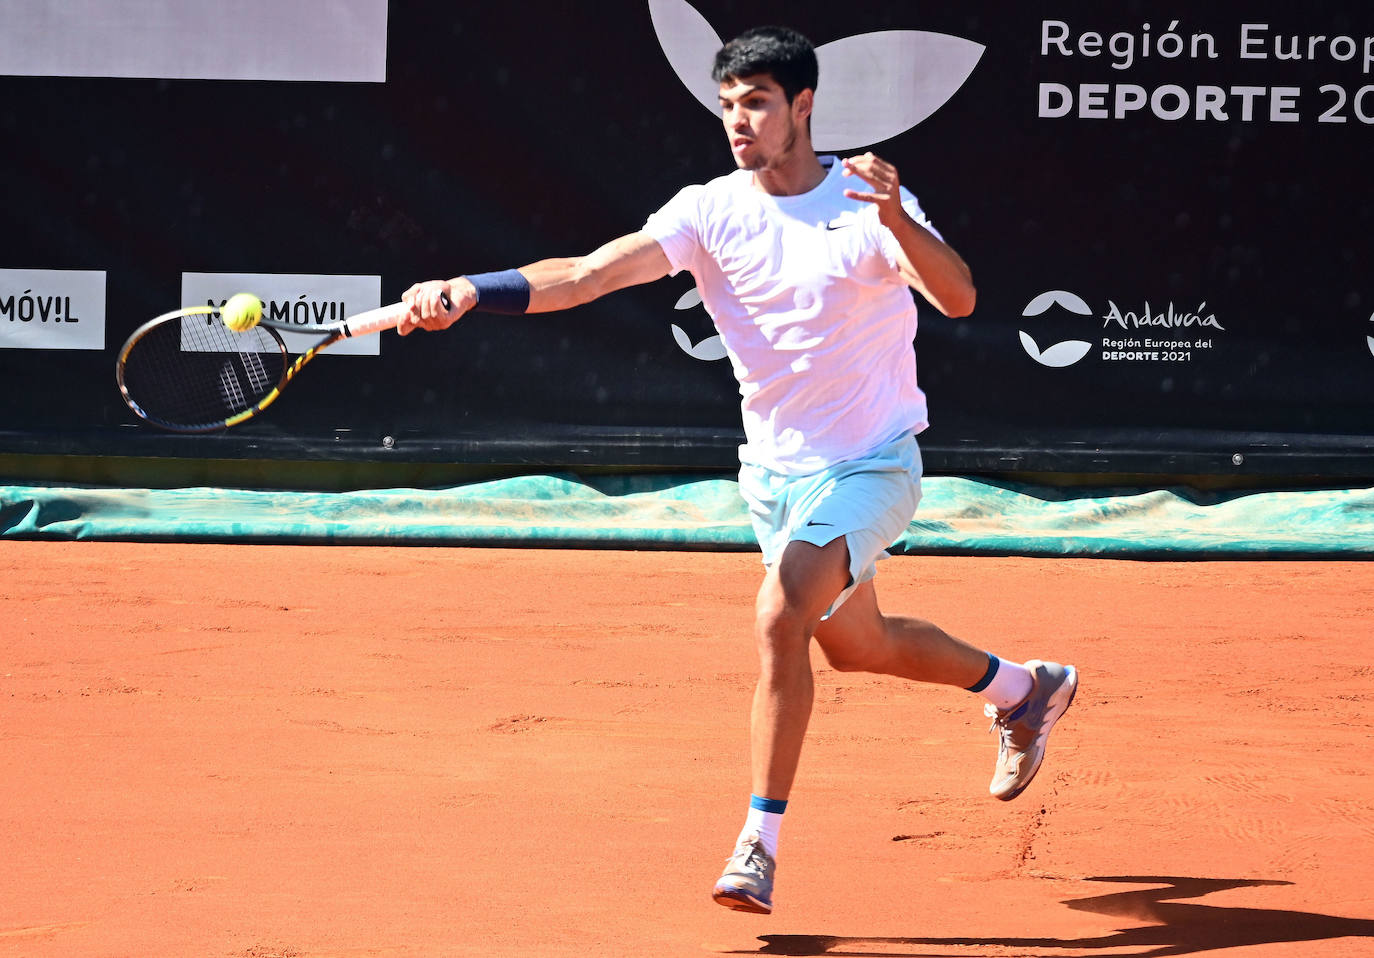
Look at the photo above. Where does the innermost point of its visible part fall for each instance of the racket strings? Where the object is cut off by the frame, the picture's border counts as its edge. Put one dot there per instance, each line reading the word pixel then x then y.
pixel 193 372
pixel 258 379
pixel 230 390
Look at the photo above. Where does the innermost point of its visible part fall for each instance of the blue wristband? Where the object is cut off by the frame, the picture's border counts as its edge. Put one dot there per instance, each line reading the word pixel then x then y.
pixel 505 292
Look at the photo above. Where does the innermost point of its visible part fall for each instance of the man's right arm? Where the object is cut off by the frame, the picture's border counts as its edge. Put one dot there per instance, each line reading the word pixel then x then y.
pixel 554 284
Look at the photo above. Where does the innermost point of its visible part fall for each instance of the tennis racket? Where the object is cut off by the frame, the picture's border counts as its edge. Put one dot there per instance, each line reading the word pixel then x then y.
pixel 187 372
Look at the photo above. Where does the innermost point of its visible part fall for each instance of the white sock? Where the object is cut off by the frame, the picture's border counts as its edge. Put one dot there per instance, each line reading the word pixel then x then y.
pixel 763 823
pixel 1007 684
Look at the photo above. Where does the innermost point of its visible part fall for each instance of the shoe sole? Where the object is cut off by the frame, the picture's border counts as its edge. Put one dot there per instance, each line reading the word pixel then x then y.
pixel 736 900
pixel 1052 716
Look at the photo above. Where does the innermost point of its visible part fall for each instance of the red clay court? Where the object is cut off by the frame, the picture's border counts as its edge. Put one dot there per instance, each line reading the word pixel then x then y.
pixel 236 751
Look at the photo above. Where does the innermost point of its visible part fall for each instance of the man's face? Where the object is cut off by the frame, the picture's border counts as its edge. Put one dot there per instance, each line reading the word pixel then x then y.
pixel 760 124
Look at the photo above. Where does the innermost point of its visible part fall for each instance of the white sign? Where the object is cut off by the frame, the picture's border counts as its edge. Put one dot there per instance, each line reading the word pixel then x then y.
pixel 307 301
pixel 52 309
pixel 331 40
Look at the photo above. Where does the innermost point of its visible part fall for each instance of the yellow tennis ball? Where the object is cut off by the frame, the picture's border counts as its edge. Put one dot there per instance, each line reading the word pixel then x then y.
pixel 241 312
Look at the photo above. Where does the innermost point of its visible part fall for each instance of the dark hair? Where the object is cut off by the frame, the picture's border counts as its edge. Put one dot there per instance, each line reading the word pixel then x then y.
pixel 782 53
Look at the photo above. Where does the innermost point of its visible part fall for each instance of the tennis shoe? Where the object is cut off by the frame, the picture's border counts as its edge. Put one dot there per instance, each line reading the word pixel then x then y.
pixel 1024 730
pixel 747 884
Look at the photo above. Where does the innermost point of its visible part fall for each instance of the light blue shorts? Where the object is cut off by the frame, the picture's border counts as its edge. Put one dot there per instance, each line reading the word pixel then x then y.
pixel 869 501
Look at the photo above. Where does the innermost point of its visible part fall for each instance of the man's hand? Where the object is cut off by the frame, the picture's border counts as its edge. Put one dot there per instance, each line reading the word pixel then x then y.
pixel 885 186
pixel 426 302
pixel 926 263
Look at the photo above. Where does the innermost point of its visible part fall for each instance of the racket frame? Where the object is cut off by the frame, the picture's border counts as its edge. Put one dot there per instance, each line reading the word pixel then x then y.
pixel 361 324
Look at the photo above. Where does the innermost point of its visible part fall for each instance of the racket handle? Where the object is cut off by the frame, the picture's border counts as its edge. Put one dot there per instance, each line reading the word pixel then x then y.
pixel 385 317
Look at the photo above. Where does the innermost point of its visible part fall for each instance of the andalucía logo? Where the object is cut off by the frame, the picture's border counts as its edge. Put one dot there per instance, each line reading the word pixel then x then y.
pixel 1146 334
pixel 875 86
pixel 1062 354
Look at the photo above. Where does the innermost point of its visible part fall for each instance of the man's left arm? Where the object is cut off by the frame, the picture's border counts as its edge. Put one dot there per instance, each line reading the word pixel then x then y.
pixel 927 263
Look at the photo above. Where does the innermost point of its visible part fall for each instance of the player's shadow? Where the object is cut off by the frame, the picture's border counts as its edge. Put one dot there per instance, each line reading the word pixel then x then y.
pixel 1175 928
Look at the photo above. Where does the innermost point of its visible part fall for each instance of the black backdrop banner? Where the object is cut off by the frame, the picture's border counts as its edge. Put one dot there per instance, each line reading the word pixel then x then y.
pixel 1167 212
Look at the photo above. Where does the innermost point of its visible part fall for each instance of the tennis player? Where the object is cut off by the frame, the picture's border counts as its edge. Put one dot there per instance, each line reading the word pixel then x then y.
pixel 806 265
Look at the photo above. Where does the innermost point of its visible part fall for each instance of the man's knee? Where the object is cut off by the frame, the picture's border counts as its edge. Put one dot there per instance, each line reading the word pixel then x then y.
pixel 781 628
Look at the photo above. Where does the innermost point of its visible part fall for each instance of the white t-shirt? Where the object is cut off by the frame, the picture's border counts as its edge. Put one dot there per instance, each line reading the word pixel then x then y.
pixel 817 322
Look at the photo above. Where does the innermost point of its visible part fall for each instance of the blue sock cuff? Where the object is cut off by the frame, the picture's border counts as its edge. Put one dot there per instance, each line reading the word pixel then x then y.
pixel 776 806
pixel 994 664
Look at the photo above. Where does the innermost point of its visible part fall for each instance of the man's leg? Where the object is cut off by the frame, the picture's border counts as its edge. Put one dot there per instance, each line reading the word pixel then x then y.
pixel 795 594
pixel 1024 701
pixel 859 638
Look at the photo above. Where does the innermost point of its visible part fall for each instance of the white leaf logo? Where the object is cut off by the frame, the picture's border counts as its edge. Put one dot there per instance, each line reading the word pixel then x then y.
pixel 708 350
pixel 879 85
pixel 690 44
pixel 1070 301
pixel 688 299
pixel 873 86
pixel 1059 355
pixel 1370 341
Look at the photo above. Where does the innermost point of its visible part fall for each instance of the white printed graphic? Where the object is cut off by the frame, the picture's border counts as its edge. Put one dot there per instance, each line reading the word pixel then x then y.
pixel 709 349
pixel 1369 340
pixel 873 86
pixel 1070 301
pixel 313 40
pixel 1057 356
pixel 1148 334
pixel 1248 68
pixel 52 309
pixel 1060 354
pixel 307 301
